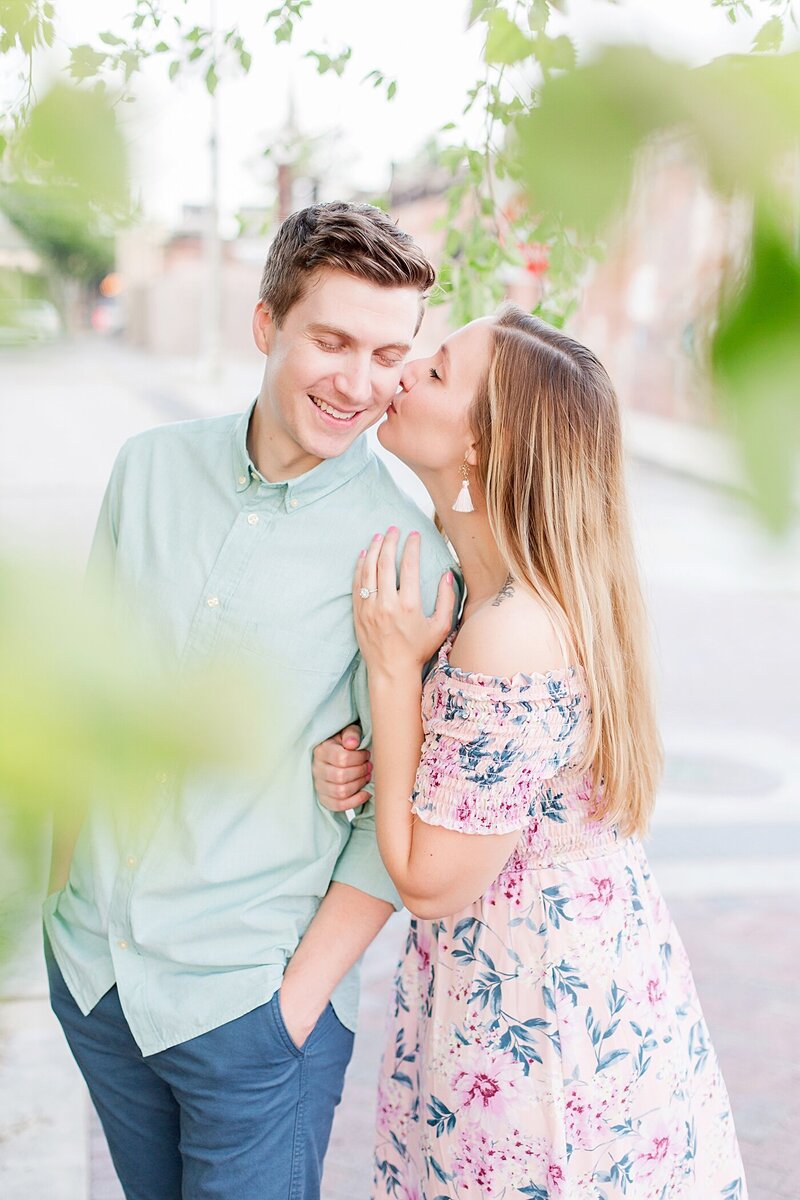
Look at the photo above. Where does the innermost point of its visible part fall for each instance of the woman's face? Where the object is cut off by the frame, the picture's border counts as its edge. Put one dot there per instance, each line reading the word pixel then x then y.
pixel 427 423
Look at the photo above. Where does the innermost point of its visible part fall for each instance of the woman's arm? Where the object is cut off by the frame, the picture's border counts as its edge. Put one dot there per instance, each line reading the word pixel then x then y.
pixel 436 871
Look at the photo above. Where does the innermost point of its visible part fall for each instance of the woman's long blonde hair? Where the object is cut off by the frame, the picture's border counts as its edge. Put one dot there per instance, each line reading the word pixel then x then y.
pixel 550 463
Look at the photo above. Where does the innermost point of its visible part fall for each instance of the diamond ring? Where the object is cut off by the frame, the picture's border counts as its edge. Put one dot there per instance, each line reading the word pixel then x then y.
pixel 365 592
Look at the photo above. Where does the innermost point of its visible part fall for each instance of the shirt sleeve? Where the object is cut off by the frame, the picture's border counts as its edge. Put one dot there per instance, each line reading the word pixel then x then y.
pixel 485 757
pixel 103 552
pixel 360 864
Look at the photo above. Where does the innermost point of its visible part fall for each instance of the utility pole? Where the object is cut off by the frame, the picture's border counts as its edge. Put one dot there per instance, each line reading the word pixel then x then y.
pixel 212 340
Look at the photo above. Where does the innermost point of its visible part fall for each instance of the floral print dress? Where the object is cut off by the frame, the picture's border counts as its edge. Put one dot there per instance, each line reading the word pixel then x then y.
pixel 547 1042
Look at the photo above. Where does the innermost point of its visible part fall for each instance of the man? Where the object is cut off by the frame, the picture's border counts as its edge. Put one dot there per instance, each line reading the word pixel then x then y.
pixel 203 962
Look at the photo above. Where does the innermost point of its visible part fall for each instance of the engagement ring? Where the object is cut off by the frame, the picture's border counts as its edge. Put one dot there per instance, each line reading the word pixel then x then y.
pixel 367 592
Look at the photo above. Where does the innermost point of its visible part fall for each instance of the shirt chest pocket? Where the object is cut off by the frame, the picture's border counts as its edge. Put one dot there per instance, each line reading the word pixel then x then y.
pixel 293 650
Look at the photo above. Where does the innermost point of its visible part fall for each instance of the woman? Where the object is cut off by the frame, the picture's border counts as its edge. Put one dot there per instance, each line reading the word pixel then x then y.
pixel 546 1038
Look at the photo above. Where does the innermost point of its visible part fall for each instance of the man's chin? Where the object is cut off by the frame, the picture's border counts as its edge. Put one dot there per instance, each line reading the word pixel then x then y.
pixel 332 443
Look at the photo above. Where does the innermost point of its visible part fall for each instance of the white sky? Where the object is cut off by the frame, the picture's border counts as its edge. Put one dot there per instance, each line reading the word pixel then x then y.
pixel 423 43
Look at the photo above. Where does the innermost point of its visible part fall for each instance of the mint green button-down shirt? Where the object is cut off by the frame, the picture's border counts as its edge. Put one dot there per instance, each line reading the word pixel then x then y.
pixel 195 915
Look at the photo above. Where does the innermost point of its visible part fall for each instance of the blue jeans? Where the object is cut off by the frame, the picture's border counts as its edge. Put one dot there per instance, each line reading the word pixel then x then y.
pixel 238 1113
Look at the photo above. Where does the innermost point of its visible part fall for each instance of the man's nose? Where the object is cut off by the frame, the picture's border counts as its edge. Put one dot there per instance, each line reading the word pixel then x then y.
pixel 355 383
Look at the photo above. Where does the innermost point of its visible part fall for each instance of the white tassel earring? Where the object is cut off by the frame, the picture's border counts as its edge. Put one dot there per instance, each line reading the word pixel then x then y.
pixel 464 499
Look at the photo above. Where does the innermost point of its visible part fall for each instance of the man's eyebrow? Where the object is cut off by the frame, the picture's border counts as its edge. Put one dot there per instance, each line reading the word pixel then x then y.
pixel 343 335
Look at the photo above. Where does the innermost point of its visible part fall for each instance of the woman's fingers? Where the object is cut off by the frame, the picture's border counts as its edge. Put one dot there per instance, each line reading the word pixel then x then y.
pixel 409 572
pixel 358 573
pixel 387 570
pixel 442 618
pixel 369 566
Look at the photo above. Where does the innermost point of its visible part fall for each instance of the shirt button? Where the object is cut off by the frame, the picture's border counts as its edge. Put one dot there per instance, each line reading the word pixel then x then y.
pixel 123 945
pixel 213 601
pixel 252 519
pixel 242 479
pixel 293 503
pixel 131 861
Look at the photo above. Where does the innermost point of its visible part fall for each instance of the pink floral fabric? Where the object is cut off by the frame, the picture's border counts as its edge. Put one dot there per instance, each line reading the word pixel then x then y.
pixel 546 1042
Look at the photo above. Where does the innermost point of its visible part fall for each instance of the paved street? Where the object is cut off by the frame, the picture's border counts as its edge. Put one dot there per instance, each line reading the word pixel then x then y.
pixel 725 846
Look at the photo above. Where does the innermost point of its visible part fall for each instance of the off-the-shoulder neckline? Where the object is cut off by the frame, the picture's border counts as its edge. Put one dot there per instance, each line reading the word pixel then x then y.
pixel 520 679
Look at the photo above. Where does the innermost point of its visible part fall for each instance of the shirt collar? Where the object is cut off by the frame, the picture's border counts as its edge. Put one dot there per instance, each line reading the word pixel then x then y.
pixel 326 477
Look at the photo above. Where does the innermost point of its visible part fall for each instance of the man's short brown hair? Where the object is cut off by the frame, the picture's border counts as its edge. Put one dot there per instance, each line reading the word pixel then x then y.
pixel 358 239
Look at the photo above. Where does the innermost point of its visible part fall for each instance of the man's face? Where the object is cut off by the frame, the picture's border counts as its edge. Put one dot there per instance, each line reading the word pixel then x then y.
pixel 334 364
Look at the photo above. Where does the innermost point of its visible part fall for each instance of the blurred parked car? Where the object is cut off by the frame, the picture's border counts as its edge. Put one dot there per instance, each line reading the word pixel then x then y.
pixel 26 321
pixel 108 315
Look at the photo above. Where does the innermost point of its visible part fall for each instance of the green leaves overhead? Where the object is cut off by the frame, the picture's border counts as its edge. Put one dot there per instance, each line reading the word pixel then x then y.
pixel 740 117
pixel 577 148
pixel 744 115
pixel 66 233
pixel 769 36
pixel 505 41
pixel 756 363
pixel 538 15
pixel 328 62
pixel 72 141
pixel 26 24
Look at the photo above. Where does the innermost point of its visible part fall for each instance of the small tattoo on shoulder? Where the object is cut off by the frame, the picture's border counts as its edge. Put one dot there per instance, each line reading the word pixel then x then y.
pixel 506 591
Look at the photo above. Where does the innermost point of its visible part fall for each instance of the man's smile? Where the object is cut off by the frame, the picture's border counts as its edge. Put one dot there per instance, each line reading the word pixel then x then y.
pixel 335 414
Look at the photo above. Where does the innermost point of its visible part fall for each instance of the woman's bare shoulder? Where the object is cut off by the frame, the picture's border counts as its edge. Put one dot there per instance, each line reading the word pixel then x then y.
pixel 510 634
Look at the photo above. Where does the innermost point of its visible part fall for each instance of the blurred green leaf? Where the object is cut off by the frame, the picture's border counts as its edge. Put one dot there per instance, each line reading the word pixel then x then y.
pixel 88 717
pixel 555 54
pixel 743 113
pixel 85 62
pixel 756 361
pixel 505 41
pixel 769 36
pixel 67 234
pixel 740 118
pixel 327 62
pixel 538 15
pixel 577 148
pixel 476 10
pixel 85 713
pixel 72 140
pixel 25 23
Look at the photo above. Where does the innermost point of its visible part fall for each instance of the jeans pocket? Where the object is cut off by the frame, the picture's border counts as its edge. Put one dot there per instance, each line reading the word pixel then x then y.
pixel 280 1026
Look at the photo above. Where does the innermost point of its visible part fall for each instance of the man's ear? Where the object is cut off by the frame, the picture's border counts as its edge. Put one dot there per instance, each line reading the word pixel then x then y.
pixel 263 327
